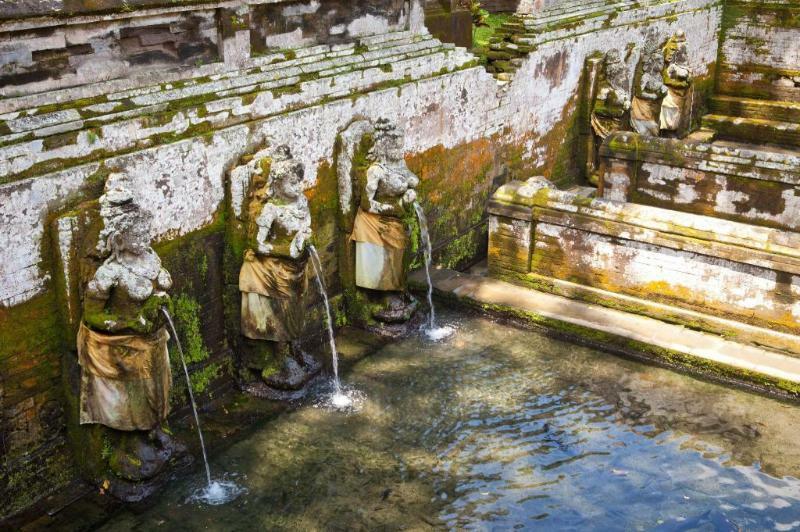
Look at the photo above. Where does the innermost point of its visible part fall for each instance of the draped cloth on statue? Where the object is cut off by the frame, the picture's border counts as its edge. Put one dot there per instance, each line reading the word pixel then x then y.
pixel 381 242
pixel 645 116
pixel 672 109
pixel 273 290
pixel 603 126
pixel 125 379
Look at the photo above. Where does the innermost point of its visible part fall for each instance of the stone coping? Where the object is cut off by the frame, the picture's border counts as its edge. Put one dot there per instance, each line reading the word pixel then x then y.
pixel 760 246
pixel 740 161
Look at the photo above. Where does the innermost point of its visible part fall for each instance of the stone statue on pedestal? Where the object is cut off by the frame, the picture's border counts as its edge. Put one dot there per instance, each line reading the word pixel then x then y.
pixel 122 346
pixel 380 230
pixel 273 278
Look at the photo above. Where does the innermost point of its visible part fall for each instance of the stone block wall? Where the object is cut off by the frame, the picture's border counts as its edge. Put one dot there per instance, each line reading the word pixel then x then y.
pixel 305 23
pixel 545 58
pixel 739 184
pixel 548 238
pixel 760 52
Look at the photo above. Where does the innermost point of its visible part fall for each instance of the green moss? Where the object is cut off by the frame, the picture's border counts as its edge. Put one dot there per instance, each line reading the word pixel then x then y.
pixel 187 322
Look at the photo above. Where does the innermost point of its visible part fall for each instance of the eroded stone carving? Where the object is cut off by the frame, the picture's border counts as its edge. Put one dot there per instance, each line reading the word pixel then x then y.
pixel 612 102
pixel 379 232
pixel 384 191
pixel 273 279
pixel 649 89
pixel 677 77
pixel 122 346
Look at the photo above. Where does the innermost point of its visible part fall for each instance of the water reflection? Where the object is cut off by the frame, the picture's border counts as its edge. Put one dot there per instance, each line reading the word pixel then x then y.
pixel 501 428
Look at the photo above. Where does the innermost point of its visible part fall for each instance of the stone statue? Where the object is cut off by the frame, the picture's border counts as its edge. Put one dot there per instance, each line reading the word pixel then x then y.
pixel 122 348
pixel 273 278
pixel 613 101
pixel 677 76
pixel 379 232
pixel 650 89
pixel 122 342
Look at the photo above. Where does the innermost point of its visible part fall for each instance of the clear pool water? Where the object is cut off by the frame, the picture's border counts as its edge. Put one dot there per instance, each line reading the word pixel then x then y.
pixel 500 428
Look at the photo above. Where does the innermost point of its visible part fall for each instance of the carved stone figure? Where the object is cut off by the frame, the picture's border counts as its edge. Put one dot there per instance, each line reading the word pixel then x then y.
pixel 677 76
pixel 377 193
pixel 122 343
pixel 379 232
pixel 612 103
pixel 125 377
pixel 650 89
pixel 273 278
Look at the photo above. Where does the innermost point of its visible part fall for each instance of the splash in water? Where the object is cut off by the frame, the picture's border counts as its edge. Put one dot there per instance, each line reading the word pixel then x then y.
pixel 215 492
pixel 339 398
pixel 432 332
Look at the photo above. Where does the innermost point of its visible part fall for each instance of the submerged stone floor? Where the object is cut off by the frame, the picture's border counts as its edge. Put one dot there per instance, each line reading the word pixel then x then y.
pixel 497 427
pixel 625 331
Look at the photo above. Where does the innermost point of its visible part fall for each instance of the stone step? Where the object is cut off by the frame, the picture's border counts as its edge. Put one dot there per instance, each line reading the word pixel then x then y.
pixel 754 130
pixel 136 102
pixel 759 109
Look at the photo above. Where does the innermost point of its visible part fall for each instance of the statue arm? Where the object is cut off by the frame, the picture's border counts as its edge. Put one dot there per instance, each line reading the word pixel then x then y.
pixel 373 182
pixel 97 294
pixel 265 221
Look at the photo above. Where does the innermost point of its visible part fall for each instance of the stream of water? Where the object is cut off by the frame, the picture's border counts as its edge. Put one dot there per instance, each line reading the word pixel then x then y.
pixel 497 428
pixel 215 492
pixel 433 332
pixel 339 399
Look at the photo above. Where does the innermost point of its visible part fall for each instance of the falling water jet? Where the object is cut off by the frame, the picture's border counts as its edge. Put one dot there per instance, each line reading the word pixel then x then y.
pixel 215 492
pixel 433 332
pixel 339 399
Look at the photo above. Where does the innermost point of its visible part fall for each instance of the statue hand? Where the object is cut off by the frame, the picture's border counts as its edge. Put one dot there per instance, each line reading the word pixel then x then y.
pixel 265 249
pixel 410 196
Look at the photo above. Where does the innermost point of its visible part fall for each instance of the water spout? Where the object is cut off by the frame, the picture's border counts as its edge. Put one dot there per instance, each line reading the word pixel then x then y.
pixel 339 399
pixel 215 492
pixel 433 332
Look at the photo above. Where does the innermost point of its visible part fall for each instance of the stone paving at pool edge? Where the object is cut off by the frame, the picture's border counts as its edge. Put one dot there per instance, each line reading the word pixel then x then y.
pixel 715 349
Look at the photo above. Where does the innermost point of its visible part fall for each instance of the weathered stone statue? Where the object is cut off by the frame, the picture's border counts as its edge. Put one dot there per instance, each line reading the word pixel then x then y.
pixel 649 89
pixel 122 345
pixel 380 232
pixel 273 279
pixel 677 76
pixel 612 103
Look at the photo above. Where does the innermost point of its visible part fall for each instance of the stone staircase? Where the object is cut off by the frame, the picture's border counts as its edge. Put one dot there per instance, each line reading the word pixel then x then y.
pixel 70 127
pixel 754 121
pixel 523 33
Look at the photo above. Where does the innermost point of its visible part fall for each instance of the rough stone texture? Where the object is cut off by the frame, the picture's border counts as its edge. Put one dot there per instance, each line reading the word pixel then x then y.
pixel 708 265
pixel 310 22
pixel 760 51
pixel 737 183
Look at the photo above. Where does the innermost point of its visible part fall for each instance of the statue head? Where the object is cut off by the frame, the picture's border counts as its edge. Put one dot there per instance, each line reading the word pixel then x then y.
pixel 126 224
pixel 676 51
pixel 286 174
pixel 616 70
pixel 389 142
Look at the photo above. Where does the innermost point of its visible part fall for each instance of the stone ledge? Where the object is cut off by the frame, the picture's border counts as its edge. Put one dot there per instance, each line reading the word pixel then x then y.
pixel 614 330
